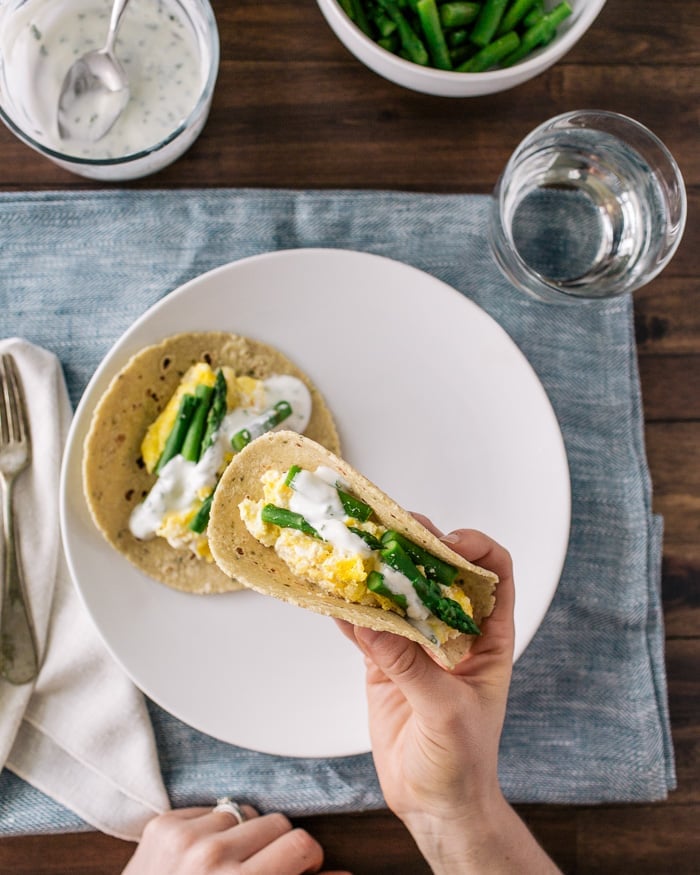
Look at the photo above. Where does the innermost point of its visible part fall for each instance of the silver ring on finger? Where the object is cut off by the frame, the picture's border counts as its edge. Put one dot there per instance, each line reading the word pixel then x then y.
pixel 225 803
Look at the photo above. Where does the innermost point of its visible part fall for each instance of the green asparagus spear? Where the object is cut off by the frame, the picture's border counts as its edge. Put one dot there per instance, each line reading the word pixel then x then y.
pixel 458 14
pixel 433 567
pixel 359 17
pixel 176 438
pixel 539 33
pixel 411 42
pixel 201 519
pixel 354 507
pixel 384 24
pixel 369 539
pixel 434 36
pixel 375 583
pixel 487 23
pixel 517 10
pixel 491 54
pixel 457 38
pixel 192 447
pixel 389 43
pixel 535 14
pixel 291 474
pixel 429 592
pixel 266 421
pixel 217 410
pixel 287 519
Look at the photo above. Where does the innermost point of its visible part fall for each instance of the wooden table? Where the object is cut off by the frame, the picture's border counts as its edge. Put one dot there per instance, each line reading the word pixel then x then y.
pixel 294 110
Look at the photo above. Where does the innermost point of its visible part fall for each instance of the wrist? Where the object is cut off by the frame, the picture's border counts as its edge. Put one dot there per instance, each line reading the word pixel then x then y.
pixel 488 840
pixel 450 839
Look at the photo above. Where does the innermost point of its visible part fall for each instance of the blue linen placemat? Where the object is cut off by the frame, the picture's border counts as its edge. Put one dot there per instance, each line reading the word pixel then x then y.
pixel 587 719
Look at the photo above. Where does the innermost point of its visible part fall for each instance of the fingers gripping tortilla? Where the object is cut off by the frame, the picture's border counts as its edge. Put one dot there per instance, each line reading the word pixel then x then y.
pixel 126 447
pixel 292 520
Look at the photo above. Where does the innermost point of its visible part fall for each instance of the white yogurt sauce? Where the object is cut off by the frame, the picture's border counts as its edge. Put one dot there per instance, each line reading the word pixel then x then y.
pixel 399 584
pixel 156 45
pixel 181 482
pixel 317 500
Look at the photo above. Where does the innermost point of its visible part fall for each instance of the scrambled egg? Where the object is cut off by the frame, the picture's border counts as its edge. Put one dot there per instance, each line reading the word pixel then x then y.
pixel 241 391
pixel 335 571
pixel 175 529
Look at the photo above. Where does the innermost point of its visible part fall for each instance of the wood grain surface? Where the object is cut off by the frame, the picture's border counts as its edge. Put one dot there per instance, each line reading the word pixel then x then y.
pixel 294 110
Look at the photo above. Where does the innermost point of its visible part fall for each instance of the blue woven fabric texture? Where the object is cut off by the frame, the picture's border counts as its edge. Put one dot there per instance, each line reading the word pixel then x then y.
pixel 587 719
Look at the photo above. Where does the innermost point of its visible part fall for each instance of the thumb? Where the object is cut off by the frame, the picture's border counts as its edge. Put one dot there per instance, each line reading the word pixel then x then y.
pixel 404 663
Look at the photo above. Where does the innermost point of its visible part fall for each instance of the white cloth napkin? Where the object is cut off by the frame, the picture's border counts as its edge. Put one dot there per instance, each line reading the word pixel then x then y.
pixel 81 732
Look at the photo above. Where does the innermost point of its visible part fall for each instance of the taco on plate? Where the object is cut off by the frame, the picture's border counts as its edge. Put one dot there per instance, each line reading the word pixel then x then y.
pixel 292 520
pixel 164 431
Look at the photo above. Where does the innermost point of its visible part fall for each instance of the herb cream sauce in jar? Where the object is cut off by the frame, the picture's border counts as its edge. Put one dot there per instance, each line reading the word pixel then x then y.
pixel 170 57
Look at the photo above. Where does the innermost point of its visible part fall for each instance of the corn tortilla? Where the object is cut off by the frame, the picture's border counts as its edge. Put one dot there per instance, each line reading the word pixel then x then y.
pixel 114 477
pixel 241 556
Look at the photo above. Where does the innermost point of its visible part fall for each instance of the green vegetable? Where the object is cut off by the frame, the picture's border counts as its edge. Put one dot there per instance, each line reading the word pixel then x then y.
pixel 434 568
pixel 539 33
pixel 217 410
pixel 354 507
pixel 375 584
pixel 384 24
pixel 535 14
pixel 192 447
pixel 201 519
pixel 369 539
pixel 487 23
pixel 410 41
pixel 429 592
pixel 178 433
pixel 359 16
pixel 459 37
pixel 434 36
pixel 267 420
pixel 458 14
pixel 287 519
pixel 493 33
pixel 491 54
pixel 291 474
pixel 517 10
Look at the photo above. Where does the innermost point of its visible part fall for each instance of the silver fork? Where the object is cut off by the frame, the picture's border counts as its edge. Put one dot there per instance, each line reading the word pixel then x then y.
pixel 18 651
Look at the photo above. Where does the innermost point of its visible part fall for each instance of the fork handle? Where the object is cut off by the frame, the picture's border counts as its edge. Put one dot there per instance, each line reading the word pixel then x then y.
pixel 18 652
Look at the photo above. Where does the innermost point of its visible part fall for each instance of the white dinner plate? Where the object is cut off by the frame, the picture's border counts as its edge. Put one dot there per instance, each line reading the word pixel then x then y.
pixel 433 402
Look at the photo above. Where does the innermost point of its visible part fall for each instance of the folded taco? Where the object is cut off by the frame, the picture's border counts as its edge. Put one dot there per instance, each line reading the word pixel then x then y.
pixel 292 520
pixel 165 429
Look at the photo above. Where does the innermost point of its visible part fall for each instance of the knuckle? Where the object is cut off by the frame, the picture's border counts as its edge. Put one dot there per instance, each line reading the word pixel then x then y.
pixel 402 661
pixel 169 831
pixel 208 853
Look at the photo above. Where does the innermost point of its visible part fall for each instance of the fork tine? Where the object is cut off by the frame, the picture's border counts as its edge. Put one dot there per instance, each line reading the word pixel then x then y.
pixel 4 404
pixel 18 410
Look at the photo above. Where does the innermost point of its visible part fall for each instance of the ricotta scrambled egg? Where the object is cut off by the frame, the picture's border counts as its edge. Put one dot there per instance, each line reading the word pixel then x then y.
pixel 184 487
pixel 337 570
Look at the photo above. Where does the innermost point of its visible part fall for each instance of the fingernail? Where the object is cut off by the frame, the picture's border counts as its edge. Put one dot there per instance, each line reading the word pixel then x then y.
pixel 450 539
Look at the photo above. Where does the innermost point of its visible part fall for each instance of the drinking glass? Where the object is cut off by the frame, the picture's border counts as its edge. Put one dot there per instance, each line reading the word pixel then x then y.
pixel 591 205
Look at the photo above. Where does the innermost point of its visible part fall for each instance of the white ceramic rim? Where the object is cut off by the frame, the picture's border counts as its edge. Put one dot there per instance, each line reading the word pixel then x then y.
pixel 400 67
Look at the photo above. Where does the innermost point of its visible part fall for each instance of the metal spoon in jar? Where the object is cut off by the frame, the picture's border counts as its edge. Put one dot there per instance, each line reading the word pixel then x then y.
pixel 95 90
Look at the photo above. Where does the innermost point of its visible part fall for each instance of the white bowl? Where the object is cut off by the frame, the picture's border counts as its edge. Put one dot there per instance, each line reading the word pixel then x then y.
pixel 452 84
